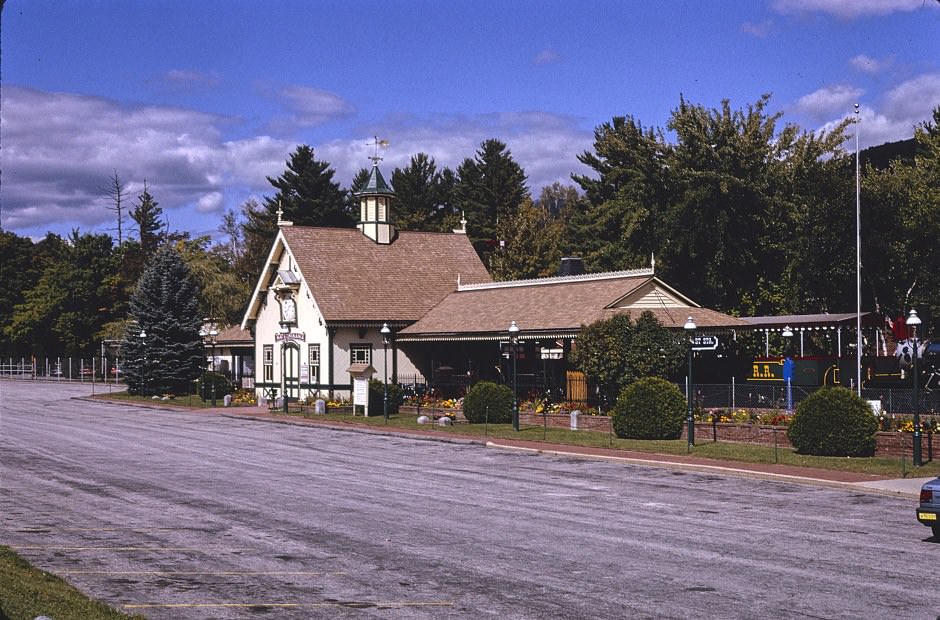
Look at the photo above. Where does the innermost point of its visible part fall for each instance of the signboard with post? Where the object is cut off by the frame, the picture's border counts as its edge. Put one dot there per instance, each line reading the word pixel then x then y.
pixel 361 374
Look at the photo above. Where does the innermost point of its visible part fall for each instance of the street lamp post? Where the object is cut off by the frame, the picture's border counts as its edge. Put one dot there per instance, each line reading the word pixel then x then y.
pixel 213 332
pixel 143 358
pixel 913 321
pixel 513 343
pixel 787 369
pixel 385 331
pixel 689 418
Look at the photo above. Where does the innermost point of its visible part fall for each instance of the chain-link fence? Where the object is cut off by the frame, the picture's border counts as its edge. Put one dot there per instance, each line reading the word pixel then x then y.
pixel 79 369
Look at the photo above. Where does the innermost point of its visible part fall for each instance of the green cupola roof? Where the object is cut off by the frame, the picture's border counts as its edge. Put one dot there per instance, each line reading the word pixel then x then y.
pixel 376 185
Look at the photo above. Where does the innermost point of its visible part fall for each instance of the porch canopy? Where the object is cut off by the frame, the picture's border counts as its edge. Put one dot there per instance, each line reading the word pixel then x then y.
pixel 802 324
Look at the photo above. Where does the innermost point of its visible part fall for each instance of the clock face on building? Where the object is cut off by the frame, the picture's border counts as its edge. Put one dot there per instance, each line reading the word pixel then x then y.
pixel 288 310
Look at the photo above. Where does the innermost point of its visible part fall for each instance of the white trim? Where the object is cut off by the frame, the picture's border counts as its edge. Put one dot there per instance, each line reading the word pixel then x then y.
pixel 587 277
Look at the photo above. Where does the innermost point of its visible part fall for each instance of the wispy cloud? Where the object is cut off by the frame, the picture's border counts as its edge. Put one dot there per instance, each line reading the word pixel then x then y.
pixel 849 9
pixel 547 56
pixel 760 29
pixel 60 149
pixel 187 79
pixel 310 106
pixel 869 65
pixel 826 102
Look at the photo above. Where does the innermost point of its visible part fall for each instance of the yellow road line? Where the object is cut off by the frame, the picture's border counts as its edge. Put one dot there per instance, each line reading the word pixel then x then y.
pixel 158 549
pixel 289 605
pixel 49 530
pixel 182 573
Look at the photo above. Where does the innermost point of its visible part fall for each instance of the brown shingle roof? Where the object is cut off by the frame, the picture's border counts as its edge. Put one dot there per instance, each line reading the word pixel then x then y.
pixel 556 305
pixel 353 278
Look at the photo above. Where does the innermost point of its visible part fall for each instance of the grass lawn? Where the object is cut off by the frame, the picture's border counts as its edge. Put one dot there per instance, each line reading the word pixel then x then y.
pixel 27 592
pixel 723 451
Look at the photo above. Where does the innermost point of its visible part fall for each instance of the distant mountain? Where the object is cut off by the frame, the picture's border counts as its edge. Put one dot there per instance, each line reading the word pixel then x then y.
pixel 881 156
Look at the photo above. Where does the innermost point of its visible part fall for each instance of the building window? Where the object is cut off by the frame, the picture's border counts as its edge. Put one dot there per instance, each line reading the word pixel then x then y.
pixel 267 361
pixel 314 358
pixel 360 354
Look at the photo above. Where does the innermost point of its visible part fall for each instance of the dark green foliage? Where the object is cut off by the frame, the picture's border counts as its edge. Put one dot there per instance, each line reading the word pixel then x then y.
pixel 164 306
pixel 396 396
pixel 209 379
pixel 423 195
pixel 148 217
pixel 307 195
pixel 76 292
pixel 650 408
pixel 490 187
pixel 617 351
pixel 488 402
pixel 833 422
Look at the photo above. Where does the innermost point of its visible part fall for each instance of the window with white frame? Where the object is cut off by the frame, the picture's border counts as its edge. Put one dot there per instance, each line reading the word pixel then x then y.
pixel 267 361
pixel 313 353
pixel 360 354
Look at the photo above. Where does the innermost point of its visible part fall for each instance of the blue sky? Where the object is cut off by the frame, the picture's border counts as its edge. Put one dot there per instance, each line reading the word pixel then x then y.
pixel 202 99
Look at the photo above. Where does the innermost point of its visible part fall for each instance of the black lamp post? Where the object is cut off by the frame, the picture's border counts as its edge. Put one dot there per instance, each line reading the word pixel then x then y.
pixel 213 332
pixel 788 333
pixel 143 358
pixel 689 418
pixel 385 331
pixel 913 321
pixel 513 343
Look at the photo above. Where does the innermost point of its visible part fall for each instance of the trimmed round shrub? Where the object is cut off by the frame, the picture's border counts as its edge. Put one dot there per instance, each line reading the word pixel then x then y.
pixel 488 402
pixel 833 422
pixel 208 379
pixel 651 408
pixel 396 396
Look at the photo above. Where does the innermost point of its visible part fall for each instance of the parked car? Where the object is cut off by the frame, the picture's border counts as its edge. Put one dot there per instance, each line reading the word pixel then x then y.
pixel 928 512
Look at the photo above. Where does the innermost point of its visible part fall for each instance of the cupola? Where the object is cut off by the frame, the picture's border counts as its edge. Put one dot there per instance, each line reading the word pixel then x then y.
pixel 375 218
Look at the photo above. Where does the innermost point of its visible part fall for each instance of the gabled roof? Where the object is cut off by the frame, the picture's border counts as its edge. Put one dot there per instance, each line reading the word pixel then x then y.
pixel 354 279
pixel 558 306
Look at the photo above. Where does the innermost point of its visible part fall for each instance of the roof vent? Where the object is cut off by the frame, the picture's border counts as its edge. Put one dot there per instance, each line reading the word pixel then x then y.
pixel 571 266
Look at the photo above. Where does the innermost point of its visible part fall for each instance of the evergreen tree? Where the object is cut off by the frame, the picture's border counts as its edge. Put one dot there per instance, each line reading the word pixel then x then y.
pixel 489 188
pixel 147 214
pixel 164 307
pixel 307 195
pixel 423 195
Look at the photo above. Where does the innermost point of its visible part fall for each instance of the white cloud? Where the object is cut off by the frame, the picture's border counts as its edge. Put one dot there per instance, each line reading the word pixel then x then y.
pixel 869 65
pixel 826 102
pixel 545 145
pixel 546 57
pixel 849 8
pixel 758 29
pixel 890 119
pixel 60 149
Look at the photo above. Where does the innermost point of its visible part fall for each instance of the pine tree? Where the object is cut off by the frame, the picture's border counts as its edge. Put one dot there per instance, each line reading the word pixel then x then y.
pixel 162 349
pixel 147 215
pixel 489 188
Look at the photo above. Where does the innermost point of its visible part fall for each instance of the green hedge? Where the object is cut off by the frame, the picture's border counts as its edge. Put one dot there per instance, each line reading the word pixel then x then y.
pixel 204 385
pixel 488 402
pixel 651 408
pixel 833 422
pixel 396 396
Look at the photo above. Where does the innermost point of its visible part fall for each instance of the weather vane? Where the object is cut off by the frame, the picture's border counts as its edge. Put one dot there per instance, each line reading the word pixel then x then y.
pixel 376 143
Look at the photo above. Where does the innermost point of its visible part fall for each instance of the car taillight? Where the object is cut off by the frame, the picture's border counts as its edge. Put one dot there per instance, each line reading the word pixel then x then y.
pixel 926 496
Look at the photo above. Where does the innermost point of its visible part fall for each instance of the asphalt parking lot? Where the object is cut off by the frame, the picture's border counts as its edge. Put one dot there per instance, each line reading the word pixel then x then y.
pixel 190 515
